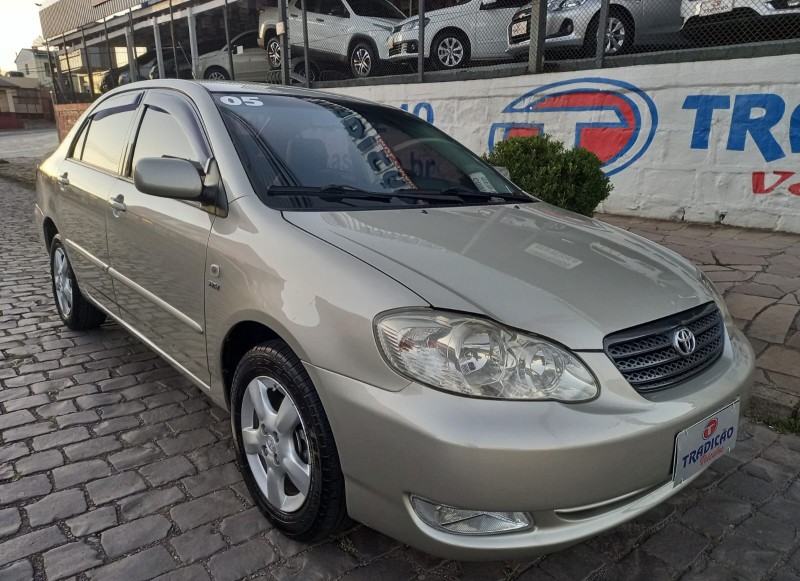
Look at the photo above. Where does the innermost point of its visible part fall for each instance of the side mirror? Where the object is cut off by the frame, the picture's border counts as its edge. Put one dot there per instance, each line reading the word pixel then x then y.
pixel 503 171
pixel 168 177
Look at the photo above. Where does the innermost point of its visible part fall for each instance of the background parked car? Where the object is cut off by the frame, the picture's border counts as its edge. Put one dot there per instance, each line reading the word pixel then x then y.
pixel 761 20
pixel 351 32
pixel 249 60
pixel 573 23
pixel 121 75
pixel 461 32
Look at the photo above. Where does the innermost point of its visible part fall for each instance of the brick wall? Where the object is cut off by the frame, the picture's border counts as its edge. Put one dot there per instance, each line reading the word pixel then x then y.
pixel 67 115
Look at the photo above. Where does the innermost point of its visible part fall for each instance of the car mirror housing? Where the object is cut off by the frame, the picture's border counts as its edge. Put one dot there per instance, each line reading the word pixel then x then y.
pixel 168 177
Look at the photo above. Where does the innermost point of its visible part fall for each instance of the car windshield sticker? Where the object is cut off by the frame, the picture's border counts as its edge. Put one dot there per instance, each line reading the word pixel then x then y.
pixel 247 100
pixel 482 182
pixel 380 157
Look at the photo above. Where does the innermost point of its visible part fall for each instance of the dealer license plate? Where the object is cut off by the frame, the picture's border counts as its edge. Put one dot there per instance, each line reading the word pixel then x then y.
pixel 698 446
pixel 708 7
pixel 519 28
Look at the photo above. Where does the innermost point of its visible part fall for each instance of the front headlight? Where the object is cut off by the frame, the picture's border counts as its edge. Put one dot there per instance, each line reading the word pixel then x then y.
pixel 572 4
pixel 413 25
pixel 718 298
pixel 476 357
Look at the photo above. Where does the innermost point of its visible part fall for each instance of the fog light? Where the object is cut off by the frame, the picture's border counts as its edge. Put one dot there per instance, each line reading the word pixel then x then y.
pixel 469 522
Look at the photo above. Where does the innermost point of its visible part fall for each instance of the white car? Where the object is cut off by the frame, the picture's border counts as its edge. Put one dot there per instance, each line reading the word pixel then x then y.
pixel 339 31
pixel 697 12
pixel 461 32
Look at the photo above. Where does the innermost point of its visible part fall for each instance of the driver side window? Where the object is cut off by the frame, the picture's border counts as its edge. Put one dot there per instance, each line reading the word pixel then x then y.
pixel 160 135
pixel 332 8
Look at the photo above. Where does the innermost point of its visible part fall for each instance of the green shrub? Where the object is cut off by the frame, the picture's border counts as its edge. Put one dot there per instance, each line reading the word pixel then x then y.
pixel 568 178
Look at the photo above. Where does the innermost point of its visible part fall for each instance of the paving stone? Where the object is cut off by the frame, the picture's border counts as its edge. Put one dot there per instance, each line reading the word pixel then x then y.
pixel 397 567
pixel 780 359
pixel 60 438
pixel 191 573
pixel 369 544
pixel 74 391
pixel 146 434
pixel 760 290
pixel 10 521
pixel 39 462
pixel 24 488
pixel 574 563
pixel 767 532
pixel 93 521
pixel 139 567
pixel 70 559
pixel 120 409
pixel 80 472
pixel 13 451
pixel 92 448
pixel 213 455
pixel 28 431
pixel 135 457
pixel 212 479
pixel 130 536
pixel 144 503
pixel 186 441
pixel 772 325
pixel 744 556
pixel 19 571
pixel 168 470
pixel 22 546
pixel 114 487
pixel 86 402
pixel 76 418
pixel 748 487
pixel 249 523
pixel 10 394
pixel 56 506
pixel 242 561
pixel 25 403
pixel 205 509
pixel 17 418
pixel 198 543
pixel 117 383
pixel 189 422
pixel 116 425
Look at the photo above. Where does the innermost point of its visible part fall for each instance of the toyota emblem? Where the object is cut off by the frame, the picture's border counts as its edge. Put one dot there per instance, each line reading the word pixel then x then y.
pixel 684 342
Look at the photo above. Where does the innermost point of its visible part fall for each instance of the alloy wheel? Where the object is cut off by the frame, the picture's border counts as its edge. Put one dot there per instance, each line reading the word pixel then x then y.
pixel 217 76
pixel 275 444
pixel 615 35
pixel 362 62
pixel 274 53
pixel 63 281
pixel 450 52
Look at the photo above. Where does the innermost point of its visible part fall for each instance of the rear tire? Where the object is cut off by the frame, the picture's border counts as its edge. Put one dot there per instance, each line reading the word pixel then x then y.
pixel 76 312
pixel 284 444
pixel 362 60
pixel 620 25
pixel 274 55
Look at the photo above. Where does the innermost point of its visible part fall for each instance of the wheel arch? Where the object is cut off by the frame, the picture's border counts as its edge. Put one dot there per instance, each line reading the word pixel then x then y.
pixel 357 38
pixel 455 30
pixel 49 231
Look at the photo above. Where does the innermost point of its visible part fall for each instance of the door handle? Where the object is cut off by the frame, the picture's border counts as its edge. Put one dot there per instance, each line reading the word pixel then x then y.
pixel 319 20
pixel 63 180
pixel 293 15
pixel 118 203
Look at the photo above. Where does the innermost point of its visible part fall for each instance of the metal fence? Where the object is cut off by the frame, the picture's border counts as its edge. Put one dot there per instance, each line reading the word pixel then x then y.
pixel 325 43
pixel 345 39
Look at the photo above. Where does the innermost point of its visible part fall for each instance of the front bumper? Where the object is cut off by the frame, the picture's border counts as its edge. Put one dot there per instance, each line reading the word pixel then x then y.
pixel 576 469
pixel 403 46
pixel 565 28
pixel 712 10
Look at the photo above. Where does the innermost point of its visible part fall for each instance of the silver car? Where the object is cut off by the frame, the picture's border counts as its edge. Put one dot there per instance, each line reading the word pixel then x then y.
pixel 400 334
pixel 573 24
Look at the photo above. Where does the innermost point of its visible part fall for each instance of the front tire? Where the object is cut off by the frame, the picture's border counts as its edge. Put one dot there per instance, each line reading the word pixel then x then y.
pixel 216 74
pixel 362 60
pixel 284 444
pixel 450 50
pixel 619 34
pixel 75 311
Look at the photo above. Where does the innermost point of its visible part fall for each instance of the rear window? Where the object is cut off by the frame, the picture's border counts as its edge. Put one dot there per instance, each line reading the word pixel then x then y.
pixel 107 132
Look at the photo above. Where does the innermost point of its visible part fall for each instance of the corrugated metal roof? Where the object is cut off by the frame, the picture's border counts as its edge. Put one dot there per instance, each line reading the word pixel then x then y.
pixel 66 15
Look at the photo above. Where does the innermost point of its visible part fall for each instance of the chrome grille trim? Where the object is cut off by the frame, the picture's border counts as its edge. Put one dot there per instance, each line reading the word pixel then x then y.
pixel 648 361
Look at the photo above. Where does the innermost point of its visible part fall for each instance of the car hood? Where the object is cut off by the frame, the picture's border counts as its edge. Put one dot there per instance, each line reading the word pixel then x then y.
pixel 382 23
pixel 533 267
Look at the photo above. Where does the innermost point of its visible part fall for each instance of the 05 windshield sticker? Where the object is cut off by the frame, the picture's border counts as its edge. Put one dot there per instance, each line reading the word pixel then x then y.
pixel 246 100
pixel 380 157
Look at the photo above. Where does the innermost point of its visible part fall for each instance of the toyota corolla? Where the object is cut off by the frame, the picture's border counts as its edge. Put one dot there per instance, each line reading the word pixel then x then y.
pixel 401 334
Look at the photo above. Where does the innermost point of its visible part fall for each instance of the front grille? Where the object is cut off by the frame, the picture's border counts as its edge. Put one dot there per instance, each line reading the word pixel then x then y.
pixel 647 359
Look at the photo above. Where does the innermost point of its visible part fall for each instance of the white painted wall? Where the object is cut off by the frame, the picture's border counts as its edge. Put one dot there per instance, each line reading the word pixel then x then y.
pixel 754 132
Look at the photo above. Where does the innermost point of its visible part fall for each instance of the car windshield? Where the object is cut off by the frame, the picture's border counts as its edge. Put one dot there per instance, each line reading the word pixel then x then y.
pixel 323 152
pixel 375 9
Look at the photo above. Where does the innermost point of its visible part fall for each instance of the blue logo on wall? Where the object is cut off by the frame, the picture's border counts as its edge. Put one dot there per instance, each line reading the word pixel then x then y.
pixel 614 119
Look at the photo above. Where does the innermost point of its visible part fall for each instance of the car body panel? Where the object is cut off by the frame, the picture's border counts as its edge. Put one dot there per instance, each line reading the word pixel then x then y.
pixel 700 11
pixel 488 259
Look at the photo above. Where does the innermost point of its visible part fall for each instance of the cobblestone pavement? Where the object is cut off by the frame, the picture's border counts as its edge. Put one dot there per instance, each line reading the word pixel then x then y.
pixel 113 467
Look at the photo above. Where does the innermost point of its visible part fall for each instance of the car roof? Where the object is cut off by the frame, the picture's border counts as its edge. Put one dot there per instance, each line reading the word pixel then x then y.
pixel 191 88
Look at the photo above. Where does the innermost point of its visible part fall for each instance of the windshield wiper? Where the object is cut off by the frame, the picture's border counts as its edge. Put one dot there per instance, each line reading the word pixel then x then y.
pixel 467 194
